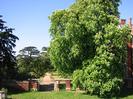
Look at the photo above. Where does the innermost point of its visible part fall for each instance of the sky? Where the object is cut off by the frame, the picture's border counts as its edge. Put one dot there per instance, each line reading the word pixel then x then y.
pixel 30 19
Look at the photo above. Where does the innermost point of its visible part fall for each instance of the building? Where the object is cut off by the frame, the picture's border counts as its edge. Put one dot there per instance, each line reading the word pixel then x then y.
pixel 129 65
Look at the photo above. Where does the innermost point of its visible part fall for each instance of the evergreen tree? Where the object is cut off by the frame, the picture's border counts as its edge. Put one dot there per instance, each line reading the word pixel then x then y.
pixel 7 58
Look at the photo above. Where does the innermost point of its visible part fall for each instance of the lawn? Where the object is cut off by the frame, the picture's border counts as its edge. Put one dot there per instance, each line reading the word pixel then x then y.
pixel 51 95
pixel 57 95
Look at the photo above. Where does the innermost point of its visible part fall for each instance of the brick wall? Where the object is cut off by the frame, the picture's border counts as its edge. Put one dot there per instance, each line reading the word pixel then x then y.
pixel 20 85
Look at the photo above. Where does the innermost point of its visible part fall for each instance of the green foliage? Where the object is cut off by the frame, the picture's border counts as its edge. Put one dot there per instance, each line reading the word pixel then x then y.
pixel 32 64
pixel 87 39
pixel 77 79
pixel 29 51
pixel 7 58
pixel 41 65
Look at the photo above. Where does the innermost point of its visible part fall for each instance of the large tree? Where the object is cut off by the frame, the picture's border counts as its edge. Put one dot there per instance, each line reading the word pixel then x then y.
pixel 25 61
pixel 7 58
pixel 42 63
pixel 87 39
pixel 29 51
pixel 32 63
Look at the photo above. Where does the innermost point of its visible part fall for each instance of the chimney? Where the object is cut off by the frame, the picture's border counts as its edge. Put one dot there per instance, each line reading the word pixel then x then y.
pixel 132 29
pixel 130 23
pixel 122 22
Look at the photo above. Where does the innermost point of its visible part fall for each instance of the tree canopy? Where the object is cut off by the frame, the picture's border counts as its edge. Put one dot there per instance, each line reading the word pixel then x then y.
pixel 29 51
pixel 88 44
pixel 33 64
pixel 7 58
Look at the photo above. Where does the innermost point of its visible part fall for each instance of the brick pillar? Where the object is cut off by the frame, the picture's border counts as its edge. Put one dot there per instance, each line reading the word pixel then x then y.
pixel 68 85
pixel 129 69
pixel 56 85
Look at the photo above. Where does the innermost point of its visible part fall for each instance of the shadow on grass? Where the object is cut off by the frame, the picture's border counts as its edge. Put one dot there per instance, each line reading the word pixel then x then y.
pixel 126 92
pixel 13 90
pixel 16 92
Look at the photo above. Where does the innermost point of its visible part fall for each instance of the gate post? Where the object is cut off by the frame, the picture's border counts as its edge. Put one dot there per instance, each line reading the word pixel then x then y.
pixel 68 85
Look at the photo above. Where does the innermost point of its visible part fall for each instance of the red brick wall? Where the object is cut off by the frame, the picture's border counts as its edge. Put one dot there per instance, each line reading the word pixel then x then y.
pixel 129 68
pixel 20 85
pixel 23 85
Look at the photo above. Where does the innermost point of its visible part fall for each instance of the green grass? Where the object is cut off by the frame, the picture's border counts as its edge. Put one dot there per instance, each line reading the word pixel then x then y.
pixel 51 95
pixel 58 95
